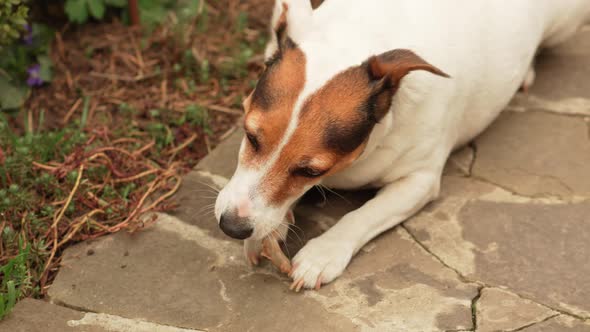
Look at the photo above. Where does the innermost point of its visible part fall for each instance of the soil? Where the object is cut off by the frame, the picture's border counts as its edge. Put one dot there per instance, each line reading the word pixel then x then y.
pixel 114 64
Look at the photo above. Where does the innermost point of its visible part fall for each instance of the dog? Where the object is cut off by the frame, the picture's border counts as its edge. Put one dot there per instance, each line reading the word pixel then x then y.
pixel 375 93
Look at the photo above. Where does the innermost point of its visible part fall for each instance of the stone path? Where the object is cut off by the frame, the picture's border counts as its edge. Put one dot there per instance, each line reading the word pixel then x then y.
pixel 506 247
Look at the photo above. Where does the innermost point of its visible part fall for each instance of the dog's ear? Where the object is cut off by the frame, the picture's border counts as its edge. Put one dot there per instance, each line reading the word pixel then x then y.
pixel 396 64
pixel 291 20
pixel 387 70
pixel 280 27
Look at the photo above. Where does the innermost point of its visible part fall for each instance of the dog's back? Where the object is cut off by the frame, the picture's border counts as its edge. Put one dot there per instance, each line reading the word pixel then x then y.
pixel 486 46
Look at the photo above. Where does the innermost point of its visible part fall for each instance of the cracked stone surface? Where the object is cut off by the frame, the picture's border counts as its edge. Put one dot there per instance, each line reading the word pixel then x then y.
pixel 559 324
pixel 461 162
pixel 578 45
pixel 222 161
pixel 505 248
pixel 562 72
pixel 500 310
pixel 38 316
pixel 179 275
pixel 536 154
pixel 175 274
pixel 34 315
pixel 537 248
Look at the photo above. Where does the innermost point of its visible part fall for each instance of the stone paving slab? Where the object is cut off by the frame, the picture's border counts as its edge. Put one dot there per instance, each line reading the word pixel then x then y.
pixel 559 324
pixel 175 274
pixel 38 316
pixel 577 45
pixel 222 161
pixel 178 275
pixel 562 72
pixel 536 154
pixel 196 198
pixel 500 310
pixel 461 162
pixel 537 248
pixel 561 76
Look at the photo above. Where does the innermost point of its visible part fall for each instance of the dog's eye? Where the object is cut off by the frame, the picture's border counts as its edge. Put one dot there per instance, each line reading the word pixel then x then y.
pixel 308 172
pixel 253 141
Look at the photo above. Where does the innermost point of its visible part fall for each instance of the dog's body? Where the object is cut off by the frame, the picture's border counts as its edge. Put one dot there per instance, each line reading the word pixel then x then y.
pixel 487 49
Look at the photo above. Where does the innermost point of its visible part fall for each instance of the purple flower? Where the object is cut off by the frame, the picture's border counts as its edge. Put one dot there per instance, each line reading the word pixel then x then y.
pixel 34 77
pixel 28 36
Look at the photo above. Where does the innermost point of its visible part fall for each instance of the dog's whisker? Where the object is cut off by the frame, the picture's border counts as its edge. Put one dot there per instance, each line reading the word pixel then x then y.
pixel 210 186
pixel 286 247
pixel 205 210
pixel 208 206
pixel 204 190
pixel 295 239
pixel 294 231
pixel 299 239
pixel 335 193
pixel 208 193
pixel 321 190
pixel 205 214
pixel 297 228
pixel 208 197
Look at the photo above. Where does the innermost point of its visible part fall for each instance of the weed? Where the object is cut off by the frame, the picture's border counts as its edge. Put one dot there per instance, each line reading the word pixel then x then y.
pixel 107 166
pixel 15 275
pixel 79 11
pixel 13 15
pixel 23 65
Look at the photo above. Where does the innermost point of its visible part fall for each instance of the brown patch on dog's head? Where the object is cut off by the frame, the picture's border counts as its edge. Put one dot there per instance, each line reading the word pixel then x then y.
pixel 336 121
pixel 270 106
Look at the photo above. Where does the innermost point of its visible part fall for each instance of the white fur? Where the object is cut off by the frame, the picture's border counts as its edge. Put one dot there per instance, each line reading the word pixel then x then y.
pixel 486 46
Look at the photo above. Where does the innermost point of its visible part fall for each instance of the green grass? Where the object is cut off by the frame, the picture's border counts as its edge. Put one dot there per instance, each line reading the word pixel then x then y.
pixel 41 170
pixel 23 199
pixel 16 280
pixel 57 187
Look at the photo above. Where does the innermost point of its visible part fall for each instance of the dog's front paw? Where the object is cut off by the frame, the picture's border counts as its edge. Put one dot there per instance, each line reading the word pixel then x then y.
pixel 320 261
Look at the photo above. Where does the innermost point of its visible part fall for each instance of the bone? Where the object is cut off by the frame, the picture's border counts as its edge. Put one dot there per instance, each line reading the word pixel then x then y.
pixel 271 250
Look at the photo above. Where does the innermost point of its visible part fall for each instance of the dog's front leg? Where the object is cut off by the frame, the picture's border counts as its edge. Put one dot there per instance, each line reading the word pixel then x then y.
pixel 325 257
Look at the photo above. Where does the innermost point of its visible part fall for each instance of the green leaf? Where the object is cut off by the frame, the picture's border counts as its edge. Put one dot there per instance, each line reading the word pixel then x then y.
pixel 76 10
pixel 2 306
pixel 19 20
pixel 116 3
pixel 11 295
pixel 43 33
pixel 187 10
pixel 97 8
pixel 44 68
pixel 11 96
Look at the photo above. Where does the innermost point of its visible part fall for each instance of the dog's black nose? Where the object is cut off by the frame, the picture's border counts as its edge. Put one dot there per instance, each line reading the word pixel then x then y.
pixel 235 227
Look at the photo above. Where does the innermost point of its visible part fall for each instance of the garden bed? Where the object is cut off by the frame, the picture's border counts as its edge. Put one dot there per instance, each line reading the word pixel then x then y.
pixel 128 110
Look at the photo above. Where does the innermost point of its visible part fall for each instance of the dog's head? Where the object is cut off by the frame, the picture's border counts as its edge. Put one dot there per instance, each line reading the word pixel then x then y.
pixel 302 126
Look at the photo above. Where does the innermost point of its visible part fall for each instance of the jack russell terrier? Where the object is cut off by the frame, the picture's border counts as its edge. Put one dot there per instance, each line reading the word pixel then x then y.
pixel 375 93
